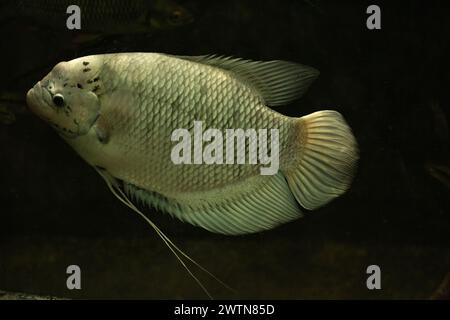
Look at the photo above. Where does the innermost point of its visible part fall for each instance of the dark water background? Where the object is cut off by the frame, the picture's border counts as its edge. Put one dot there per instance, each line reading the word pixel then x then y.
pixel 56 211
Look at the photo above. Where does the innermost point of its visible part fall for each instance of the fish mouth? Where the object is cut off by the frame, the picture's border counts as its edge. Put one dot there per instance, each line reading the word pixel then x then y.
pixel 31 99
pixel 36 98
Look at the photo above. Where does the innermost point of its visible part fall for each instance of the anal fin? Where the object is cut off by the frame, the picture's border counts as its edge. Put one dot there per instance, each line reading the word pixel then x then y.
pixel 264 205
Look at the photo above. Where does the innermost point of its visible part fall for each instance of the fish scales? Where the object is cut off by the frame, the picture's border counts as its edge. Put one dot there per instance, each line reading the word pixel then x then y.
pixel 125 108
pixel 163 103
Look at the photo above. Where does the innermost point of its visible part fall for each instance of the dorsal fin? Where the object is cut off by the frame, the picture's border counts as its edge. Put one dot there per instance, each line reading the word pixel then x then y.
pixel 278 82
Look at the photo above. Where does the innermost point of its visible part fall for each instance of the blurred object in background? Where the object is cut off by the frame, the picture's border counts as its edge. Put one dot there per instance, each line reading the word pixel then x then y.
pixel 104 17
pixel 440 121
pixel 439 172
pixel 106 26
pixel 6 115
pixel 24 296
pixel 12 104
pixel 443 291
pixel 12 97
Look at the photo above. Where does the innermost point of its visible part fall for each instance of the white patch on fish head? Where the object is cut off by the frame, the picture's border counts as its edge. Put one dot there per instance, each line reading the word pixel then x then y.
pixel 67 98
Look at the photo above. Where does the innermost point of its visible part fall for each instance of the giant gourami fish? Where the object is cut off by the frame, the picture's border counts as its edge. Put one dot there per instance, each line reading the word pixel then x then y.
pixel 118 111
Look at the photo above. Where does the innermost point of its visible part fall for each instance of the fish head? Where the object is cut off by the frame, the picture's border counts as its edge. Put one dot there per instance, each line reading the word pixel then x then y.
pixel 66 98
pixel 168 14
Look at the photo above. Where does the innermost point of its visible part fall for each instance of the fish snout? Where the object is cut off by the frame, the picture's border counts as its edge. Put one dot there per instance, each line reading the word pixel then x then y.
pixel 31 98
pixel 31 94
pixel 35 100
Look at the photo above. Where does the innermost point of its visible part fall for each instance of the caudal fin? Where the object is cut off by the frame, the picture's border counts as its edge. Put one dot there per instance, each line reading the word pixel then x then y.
pixel 327 154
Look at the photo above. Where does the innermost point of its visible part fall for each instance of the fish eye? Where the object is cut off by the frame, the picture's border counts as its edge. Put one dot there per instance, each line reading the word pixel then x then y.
pixel 58 100
pixel 176 16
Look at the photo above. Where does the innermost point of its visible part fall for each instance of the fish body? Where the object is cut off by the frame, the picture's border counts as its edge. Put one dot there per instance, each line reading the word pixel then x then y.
pixel 119 112
pixel 103 16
